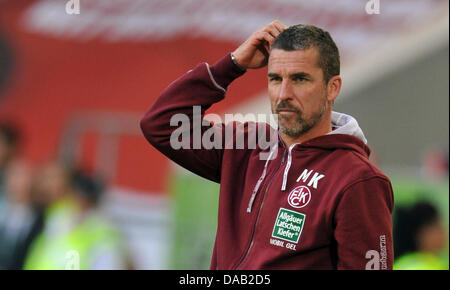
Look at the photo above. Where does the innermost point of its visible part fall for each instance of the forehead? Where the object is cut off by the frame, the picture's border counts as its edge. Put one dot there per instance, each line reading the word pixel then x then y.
pixel 282 61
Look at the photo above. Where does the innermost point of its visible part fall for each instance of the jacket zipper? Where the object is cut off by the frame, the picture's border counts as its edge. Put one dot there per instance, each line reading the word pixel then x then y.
pixel 259 213
pixel 288 166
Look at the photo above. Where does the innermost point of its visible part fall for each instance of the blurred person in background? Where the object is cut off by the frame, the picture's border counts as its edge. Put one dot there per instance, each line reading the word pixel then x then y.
pixel 9 139
pixel 76 234
pixel 53 192
pixel 419 238
pixel 20 220
pixel 435 164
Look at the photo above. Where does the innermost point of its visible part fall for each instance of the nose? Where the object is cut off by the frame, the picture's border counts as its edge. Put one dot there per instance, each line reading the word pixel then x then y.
pixel 285 91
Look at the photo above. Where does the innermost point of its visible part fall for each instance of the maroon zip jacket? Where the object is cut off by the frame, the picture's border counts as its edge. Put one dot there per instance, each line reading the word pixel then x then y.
pixel 317 205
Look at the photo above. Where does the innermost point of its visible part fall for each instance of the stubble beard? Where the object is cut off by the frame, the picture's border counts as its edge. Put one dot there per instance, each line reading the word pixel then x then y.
pixel 301 125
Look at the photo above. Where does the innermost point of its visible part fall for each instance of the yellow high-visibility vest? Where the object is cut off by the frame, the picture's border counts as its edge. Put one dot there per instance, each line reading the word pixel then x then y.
pixel 92 243
pixel 419 261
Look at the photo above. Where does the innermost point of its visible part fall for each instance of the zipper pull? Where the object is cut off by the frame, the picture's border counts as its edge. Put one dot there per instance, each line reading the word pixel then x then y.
pixel 284 157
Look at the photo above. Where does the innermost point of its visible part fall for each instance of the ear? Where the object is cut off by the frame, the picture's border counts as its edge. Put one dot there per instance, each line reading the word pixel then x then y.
pixel 333 88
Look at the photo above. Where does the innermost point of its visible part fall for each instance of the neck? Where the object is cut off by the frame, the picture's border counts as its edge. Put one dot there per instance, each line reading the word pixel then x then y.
pixel 323 127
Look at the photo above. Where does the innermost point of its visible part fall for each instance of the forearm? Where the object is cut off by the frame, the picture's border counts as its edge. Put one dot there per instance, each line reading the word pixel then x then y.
pixel 202 87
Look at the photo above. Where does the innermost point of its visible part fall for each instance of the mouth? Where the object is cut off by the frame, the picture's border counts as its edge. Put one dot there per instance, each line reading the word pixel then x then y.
pixel 287 112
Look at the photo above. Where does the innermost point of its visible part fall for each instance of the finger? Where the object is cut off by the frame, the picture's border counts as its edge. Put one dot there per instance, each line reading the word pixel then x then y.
pixel 263 35
pixel 272 29
pixel 269 40
pixel 280 26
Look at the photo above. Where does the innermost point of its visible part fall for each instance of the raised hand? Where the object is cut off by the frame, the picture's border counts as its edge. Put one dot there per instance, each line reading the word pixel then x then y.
pixel 254 52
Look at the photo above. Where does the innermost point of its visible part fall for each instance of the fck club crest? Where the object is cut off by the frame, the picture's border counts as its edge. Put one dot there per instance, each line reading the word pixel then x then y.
pixel 299 196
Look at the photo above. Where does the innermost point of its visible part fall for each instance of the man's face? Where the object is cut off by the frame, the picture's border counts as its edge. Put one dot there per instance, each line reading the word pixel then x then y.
pixel 297 91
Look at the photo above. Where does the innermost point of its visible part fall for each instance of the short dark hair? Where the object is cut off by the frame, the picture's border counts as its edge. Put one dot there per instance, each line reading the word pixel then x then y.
pixel 88 186
pixel 302 37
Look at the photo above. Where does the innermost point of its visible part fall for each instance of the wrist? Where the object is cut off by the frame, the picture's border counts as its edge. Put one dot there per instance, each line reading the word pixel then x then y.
pixel 233 59
pixel 224 71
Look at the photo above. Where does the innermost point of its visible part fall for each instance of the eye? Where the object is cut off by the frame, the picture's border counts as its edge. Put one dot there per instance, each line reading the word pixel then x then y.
pixel 299 78
pixel 274 79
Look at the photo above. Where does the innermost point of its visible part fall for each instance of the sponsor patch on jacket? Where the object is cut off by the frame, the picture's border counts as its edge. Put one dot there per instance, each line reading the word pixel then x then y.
pixel 288 225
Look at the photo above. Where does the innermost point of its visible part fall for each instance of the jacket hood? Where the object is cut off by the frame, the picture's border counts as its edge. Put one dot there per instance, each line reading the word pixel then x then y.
pixel 346 124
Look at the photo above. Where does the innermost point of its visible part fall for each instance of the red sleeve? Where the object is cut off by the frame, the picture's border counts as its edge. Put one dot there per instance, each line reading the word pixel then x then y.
pixel 202 86
pixel 363 225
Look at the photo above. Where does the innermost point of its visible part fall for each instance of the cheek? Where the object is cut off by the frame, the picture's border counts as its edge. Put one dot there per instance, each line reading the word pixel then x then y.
pixel 309 99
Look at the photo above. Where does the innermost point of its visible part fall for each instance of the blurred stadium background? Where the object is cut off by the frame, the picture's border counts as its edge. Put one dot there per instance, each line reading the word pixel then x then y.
pixel 76 85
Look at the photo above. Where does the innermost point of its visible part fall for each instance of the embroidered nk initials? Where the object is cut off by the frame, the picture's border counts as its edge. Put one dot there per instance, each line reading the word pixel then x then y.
pixel 313 180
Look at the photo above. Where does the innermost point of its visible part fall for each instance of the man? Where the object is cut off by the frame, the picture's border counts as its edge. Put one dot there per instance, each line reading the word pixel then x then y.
pixel 316 202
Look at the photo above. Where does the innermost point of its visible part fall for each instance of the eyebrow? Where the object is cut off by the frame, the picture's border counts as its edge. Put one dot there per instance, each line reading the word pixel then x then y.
pixel 272 75
pixel 300 75
pixel 294 75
